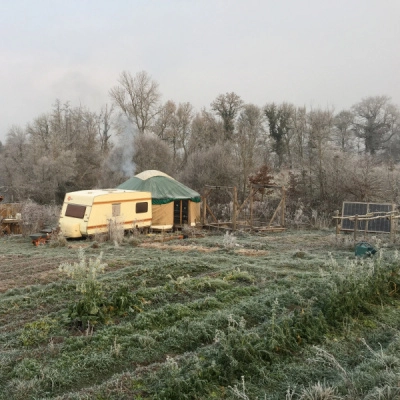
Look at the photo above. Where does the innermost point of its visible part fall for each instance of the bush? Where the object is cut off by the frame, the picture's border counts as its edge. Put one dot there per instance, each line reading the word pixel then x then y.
pixel 229 241
pixel 115 230
pixel 35 217
pixel 85 273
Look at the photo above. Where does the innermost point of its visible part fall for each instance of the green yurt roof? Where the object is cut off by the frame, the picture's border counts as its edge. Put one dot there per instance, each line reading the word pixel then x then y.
pixel 163 188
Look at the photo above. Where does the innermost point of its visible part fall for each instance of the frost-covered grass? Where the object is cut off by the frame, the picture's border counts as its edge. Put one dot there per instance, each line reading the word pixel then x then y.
pixel 297 317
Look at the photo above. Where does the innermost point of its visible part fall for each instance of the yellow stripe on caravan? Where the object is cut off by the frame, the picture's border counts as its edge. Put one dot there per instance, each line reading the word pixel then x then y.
pixel 120 201
pixel 126 222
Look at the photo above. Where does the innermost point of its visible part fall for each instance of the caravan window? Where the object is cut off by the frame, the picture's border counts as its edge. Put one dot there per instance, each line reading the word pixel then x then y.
pixel 142 207
pixel 75 211
pixel 116 210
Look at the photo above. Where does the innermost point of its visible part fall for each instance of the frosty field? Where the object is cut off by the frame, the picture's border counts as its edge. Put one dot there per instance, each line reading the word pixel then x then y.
pixel 279 316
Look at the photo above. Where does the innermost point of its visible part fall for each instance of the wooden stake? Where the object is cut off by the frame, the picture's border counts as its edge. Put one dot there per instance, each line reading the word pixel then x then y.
pixel 391 229
pixel 337 223
pixel 355 227
pixel 283 206
pixel 234 211
pixel 204 216
pixel 251 206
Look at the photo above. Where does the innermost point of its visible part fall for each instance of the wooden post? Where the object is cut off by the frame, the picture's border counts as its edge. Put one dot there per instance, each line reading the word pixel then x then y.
pixel 234 211
pixel 337 223
pixel 355 227
pixel 391 229
pixel 283 206
pixel 204 216
pixel 275 213
pixel 366 227
pixel 251 206
pixel 180 212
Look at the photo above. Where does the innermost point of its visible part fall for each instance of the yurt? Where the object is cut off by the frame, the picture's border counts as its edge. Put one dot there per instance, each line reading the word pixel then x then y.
pixel 173 203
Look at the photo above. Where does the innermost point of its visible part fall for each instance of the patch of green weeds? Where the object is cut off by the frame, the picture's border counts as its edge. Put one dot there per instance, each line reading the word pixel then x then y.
pixel 232 294
pixel 239 276
pixel 123 301
pixel 36 332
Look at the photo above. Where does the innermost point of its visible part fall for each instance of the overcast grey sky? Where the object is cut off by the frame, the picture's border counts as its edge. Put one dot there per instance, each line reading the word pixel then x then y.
pixel 317 53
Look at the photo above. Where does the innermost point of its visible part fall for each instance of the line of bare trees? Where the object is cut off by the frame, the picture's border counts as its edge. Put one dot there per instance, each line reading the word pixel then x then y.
pixel 322 156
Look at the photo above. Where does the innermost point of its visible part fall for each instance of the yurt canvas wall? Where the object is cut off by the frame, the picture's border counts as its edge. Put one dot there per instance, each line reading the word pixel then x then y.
pixel 173 214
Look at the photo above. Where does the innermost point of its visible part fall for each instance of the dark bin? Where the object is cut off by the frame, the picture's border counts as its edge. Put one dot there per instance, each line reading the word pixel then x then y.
pixel 364 249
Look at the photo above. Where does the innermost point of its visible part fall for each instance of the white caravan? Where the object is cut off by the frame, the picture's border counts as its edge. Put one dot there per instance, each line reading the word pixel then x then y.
pixel 88 212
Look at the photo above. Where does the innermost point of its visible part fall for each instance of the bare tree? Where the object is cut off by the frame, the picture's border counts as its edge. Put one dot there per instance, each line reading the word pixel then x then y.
pixel 299 122
pixel 68 139
pixel 343 129
pixel 363 180
pixel 376 122
pixel 150 152
pixel 214 166
pixel 51 177
pixel 227 106
pixel 104 126
pixel 206 131
pixel 16 163
pixel 87 147
pixel 249 130
pixel 280 129
pixel 59 151
pixel 181 130
pixel 174 125
pixel 319 132
pixel 138 99
pixel 165 120
pixel 32 168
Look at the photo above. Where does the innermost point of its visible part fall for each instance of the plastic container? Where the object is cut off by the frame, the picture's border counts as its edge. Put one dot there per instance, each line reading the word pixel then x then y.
pixel 364 249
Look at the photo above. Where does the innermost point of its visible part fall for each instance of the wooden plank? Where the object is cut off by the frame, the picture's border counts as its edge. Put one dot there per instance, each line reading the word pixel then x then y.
pixel 244 202
pixel 276 211
pixel 218 187
pixel 209 210
pixel 283 206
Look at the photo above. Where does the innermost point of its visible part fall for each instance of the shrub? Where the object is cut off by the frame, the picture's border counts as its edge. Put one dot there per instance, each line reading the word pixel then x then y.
pixel 229 241
pixel 385 393
pixel 115 231
pixel 85 273
pixel 353 291
pixel 122 301
pixel 57 239
pixel 35 217
pixel 236 348
pixel 318 391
